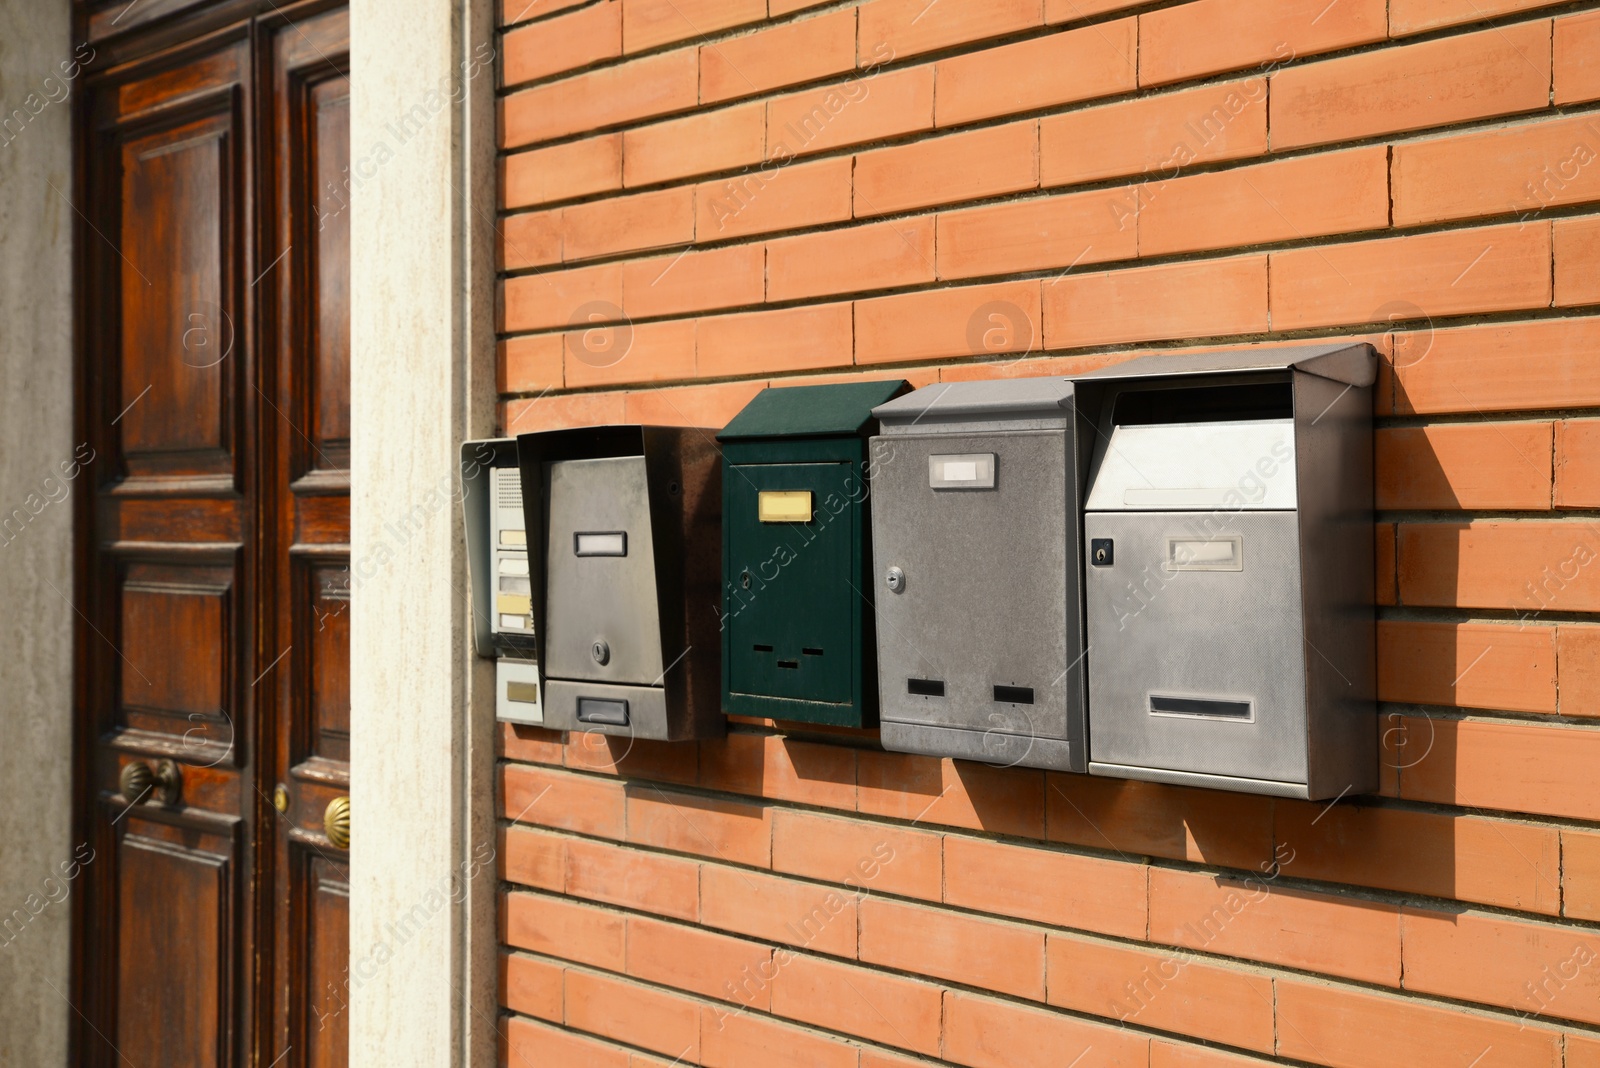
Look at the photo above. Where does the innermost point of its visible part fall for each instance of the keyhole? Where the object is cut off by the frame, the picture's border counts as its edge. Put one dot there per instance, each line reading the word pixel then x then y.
pixel 744 580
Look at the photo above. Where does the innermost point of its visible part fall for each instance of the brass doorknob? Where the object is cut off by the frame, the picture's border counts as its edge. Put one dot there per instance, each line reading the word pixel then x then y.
pixel 336 822
pixel 156 785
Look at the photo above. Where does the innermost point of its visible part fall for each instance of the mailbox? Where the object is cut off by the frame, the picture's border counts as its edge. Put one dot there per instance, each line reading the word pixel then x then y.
pixel 797 636
pixel 624 526
pixel 497 564
pixel 975 537
pixel 1228 571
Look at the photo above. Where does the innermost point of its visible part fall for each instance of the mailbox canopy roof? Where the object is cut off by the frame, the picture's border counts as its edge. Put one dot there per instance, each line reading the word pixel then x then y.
pixel 839 410
pixel 1353 363
pixel 993 398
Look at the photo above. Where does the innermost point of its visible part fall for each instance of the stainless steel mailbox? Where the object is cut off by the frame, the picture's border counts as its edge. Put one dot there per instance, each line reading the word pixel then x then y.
pixel 975 533
pixel 625 539
pixel 1228 570
pixel 497 563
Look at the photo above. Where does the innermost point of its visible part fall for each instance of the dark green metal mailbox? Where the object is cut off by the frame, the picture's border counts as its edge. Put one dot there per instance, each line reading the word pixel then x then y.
pixel 797 637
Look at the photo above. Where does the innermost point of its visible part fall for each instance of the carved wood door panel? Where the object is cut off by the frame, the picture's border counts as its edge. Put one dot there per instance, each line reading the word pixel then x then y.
pixel 213 522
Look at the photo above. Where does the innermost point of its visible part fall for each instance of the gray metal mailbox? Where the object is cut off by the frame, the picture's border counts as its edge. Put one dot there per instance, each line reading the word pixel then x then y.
pixel 625 540
pixel 497 563
pixel 975 530
pixel 1228 570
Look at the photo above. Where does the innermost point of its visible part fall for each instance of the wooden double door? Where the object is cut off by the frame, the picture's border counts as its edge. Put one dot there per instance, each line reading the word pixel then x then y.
pixel 211 200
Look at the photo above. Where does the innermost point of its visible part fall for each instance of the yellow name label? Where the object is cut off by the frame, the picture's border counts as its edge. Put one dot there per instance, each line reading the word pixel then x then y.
pixel 512 604
pixel 784 506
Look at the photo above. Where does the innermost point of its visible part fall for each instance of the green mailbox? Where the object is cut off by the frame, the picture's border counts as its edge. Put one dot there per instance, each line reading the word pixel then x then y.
pixel 797 621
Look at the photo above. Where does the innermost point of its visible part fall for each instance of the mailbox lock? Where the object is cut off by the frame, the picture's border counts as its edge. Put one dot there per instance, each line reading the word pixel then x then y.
pixel 600 651
pixel 744 580
pixel 1102 551
pixel 896 580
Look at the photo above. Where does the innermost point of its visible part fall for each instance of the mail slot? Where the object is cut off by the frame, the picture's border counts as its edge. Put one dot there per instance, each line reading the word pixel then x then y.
pixel 797 627
pixel 1228 582
pixel 497 565
pixel 975 536
pixel 624 532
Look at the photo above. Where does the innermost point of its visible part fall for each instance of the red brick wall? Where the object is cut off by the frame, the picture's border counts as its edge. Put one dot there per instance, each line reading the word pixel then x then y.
pixel 727 193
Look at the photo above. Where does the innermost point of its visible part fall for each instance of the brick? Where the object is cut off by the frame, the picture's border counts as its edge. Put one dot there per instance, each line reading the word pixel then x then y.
pixel 564 929
pixel 648 23
pixel 1415 16
pixel 944 170
pixel 1289 200
pixel 702 962
pixel 1352 1029
pixel 698 406
pixel 561 800
pixel 983 1033
pixel 518 741
pixel 1577 58
pixel 872 1058
pixel 875 256
pixel 790 339
pixel 729 831
pixel 1467 665
pixel 786 911
pixel 778 56
pixel 1531 968
pixel 534 858
pixel 1528 568
pixel 1465 465
pixel 1580 874
pixel 531 986
pixel 655 85
pixel 1577 254
pixel 530 239
pixel 1577 463
pixel 702 143
pixel 1492 862
pixel 1053 233
pixel 559 298
pixel 862 856
pixel 1046 885
pixel 1578 667
pixel 958 794
pixel 1582 1051
pixel 773 198
pixel 1039 73
pixel 1163 989
pixel 1510 767
pixel 1384 557
pixel 1257 921
pixel 693 281
pixel 900 28
pixel 575 169
pixel 858 1001
pixel 1496 268
pixel 948 322
pixel 621 224
pixel 566 42
pixel 1488 369
pixel 654 1020
pixel 527 1042
pixel 529 364
pixel 617 353
pixel 1037 367
pixel 514 11
pixel 619 875
pixel 557 412
pixel 631 758
pixel 1203 298
pixel 1522 169
pixel 1177 822
pixel 1213 36
pixel 1434 83
pixel 808 773
pixel 1162 133
pixel 946 945
pixel 1171 1055
pixel 734 1040
pixel 859 109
